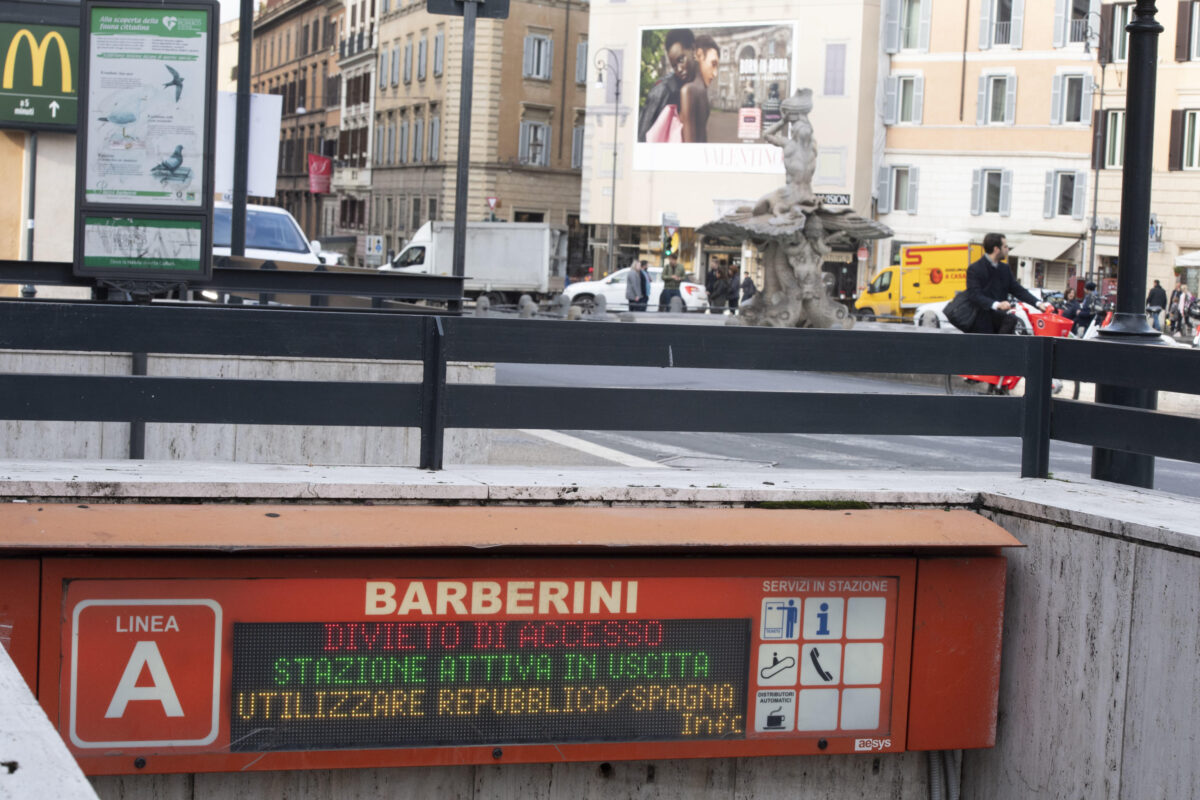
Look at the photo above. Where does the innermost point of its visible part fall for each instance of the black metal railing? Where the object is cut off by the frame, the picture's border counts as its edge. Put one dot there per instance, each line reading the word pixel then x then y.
pixel 433 405
pixel 279 281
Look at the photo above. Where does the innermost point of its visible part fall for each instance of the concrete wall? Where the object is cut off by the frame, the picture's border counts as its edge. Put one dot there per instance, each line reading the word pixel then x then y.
pixel 263 444
pixel 1097 696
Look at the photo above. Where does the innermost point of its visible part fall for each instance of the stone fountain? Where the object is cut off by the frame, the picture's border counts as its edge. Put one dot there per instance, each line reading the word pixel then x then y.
pixel 794 232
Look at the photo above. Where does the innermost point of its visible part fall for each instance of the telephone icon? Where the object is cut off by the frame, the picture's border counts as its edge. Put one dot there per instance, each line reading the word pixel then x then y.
pixel 814 655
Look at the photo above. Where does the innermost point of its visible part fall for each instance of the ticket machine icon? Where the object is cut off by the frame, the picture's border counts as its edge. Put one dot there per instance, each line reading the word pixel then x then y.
pixel 781 618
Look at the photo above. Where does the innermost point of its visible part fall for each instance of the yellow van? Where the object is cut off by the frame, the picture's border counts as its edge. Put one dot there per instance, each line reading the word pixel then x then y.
pixel 931 272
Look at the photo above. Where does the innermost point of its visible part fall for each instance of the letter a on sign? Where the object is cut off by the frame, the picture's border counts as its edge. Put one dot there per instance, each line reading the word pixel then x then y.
pixel 144 673
pixel 145 654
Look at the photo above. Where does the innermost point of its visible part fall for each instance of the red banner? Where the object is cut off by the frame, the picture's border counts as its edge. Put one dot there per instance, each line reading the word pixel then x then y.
pixel 320 171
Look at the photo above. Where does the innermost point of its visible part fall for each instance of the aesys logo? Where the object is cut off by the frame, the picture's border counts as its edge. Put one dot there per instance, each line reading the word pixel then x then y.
pixel 170 22
pixel 935 275
pixel 867 745
pixel 37 57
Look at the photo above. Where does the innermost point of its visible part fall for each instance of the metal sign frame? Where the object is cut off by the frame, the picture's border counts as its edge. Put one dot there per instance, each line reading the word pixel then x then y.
pixel 153 208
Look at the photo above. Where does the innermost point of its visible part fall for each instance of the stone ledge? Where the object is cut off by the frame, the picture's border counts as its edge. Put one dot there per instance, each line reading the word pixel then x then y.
pixel 1154 518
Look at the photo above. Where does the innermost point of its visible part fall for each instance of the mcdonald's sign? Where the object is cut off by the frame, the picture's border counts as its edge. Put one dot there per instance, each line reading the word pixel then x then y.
pixel 39 83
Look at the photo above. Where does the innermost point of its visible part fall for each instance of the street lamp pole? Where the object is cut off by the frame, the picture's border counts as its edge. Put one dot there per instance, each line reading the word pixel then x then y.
pixel 606 58
pixel 1129 322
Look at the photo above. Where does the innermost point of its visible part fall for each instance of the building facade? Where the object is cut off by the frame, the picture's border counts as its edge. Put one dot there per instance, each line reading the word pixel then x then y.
pixel 295 56
pixel 991 131
pixel 526 117
pixel 1175 182
pixel 664 180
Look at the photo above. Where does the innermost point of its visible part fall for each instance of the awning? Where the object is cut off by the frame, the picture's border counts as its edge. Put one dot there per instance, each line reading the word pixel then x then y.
pixel 1043 248
pixel 1191 259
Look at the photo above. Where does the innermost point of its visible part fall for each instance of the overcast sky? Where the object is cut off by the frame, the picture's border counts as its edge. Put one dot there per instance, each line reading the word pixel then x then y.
pixel 230 9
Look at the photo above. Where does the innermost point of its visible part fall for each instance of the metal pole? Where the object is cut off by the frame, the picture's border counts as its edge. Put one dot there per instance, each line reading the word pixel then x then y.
pixel 1091 270
pixel 241 132
pixel 607 59
pixel 464 143
pixel 1129 322
pixel 29 290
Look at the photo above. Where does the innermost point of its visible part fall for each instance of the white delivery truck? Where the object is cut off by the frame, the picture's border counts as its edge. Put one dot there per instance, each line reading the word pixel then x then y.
pixel 504 259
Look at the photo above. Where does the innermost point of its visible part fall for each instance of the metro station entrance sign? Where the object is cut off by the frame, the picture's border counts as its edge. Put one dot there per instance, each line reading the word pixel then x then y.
pixel 404 662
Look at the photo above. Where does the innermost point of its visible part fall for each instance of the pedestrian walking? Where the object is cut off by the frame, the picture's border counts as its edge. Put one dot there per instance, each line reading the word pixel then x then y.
pixel 1088 309
pixel 1156 301
pixel 637 286
pixel 673 274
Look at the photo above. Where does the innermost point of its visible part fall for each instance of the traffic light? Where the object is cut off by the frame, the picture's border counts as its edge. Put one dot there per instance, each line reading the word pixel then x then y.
pixel 670 244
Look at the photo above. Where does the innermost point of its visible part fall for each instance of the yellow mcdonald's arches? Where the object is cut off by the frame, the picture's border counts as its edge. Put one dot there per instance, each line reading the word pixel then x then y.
pixel 37 55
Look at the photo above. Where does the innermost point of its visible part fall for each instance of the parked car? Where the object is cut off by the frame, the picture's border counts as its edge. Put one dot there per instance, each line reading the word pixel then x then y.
pixel 612 288
pixel 271 233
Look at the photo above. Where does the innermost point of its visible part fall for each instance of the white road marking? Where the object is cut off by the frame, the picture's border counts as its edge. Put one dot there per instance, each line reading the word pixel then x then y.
pixel 598 450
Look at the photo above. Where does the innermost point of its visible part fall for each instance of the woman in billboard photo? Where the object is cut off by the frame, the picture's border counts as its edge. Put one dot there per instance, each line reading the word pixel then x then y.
pixel 693 97
pixel 659 119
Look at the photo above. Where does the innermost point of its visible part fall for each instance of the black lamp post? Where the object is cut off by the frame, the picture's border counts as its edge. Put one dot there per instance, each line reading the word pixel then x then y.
pixel 608 59
pixel 1129 322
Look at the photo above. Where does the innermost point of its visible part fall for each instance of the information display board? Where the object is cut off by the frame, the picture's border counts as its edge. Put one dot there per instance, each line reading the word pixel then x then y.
pixel 144 159
pixel 378 663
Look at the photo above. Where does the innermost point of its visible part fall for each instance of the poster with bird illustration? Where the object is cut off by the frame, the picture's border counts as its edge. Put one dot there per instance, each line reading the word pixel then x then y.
pixel 146 105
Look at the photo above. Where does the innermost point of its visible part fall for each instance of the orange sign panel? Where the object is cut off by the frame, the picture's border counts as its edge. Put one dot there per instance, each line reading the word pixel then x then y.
pixel 395 662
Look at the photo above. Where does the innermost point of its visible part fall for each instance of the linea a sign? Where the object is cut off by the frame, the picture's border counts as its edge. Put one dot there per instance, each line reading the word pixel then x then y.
pixel 38 85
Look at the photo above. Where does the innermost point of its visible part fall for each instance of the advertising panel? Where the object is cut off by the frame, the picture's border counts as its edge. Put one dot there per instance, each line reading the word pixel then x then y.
pixel 38 87
pixel 147 106
pixel 708 93
pixel 388 662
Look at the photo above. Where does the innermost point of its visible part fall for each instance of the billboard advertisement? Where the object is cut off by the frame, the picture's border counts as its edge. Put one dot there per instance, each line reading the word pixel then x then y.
pixel 707 93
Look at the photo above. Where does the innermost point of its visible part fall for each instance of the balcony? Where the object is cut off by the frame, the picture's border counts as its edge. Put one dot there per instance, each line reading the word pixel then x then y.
pixel 1079 30
pixel 1002 32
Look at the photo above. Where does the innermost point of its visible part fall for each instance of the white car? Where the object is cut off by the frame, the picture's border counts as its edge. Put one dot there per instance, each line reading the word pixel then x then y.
pixel 271 233
pixel 612 288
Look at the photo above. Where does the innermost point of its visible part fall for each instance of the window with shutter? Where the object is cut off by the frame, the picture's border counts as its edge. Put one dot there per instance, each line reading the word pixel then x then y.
pixel 537 57
pixel 418 149
pixel 1191 140
pixel 439 53
pixel 422 52
pixel 408 52
pixel 891 26
pixel 581 51
pixel 395 65
pixel 383 69
pixel 435 141
pixel 910 24
pixel 835 70
pixel 577 138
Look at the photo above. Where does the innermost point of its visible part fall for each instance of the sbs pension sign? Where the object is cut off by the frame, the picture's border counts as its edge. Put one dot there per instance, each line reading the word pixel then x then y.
pixel 38 85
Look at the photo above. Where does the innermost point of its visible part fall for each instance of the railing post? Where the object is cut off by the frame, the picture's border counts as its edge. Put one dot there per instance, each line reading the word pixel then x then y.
pixel 137 427
pixel 433 392
pixel 1035 415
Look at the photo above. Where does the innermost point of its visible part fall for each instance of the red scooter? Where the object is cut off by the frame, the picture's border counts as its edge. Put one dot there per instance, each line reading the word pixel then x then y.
pixel 1041 323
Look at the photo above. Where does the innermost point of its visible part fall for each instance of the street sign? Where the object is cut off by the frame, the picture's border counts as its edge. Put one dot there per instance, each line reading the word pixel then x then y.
pixel 400 664
pixel 491 9
pixel 493 202
pixel 38 85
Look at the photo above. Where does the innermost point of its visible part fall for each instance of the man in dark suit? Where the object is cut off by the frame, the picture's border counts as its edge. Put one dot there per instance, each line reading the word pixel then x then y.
pixel 990 282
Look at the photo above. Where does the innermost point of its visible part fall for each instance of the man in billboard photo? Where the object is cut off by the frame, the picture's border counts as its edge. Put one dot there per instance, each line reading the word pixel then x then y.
pixel 693 97
pixel 663 99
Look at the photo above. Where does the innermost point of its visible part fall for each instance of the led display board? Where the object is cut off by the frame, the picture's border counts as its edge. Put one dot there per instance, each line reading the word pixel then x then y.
pixel 356 663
